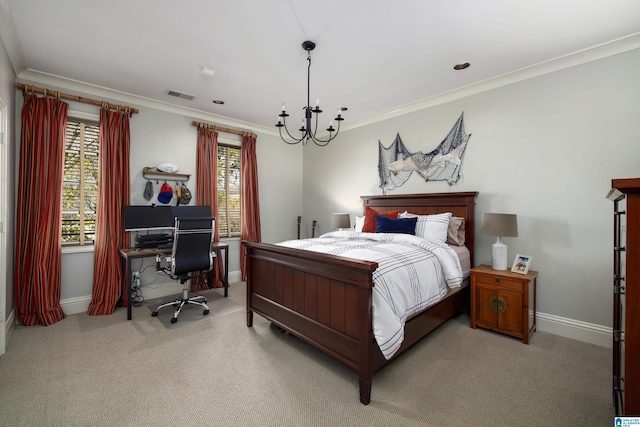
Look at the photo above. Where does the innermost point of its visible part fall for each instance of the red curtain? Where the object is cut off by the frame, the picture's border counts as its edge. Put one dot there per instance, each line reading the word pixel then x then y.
pixel 109 286
pixel 39 211
pixel 249 200
pixel 206 194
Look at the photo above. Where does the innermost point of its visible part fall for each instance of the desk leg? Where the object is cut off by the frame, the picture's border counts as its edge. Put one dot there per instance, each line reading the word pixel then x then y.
pixel 128 279
pixel 226 272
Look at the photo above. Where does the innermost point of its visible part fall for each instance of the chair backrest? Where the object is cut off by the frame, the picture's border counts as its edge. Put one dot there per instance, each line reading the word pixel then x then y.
pixel 192 241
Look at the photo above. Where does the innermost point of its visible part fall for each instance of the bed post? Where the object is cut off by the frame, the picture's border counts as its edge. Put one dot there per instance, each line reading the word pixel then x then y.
pixel 365 340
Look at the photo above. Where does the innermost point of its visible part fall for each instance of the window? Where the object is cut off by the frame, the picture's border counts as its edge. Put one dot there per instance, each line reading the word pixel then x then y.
pixel 228 218
pixel 80 183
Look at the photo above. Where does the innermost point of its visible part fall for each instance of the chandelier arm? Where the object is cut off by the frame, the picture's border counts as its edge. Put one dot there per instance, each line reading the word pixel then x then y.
pixel 297 140
pixel 331 137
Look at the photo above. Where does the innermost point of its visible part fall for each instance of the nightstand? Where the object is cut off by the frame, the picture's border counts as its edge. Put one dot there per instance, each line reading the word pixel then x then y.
pixel 504 301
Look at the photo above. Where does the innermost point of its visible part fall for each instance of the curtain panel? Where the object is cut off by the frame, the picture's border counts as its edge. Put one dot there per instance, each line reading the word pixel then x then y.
pixel 206 195
pixel 249 198
pixel 39 211
pixel 109 283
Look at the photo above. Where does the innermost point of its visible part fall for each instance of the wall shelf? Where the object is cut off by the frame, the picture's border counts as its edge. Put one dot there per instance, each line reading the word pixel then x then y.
pixel 155 174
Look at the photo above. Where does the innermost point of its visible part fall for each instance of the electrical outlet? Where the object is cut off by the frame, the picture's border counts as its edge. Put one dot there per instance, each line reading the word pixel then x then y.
pixel 135 274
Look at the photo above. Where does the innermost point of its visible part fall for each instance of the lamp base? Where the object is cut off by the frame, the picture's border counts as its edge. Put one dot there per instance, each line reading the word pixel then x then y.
pixel 499 255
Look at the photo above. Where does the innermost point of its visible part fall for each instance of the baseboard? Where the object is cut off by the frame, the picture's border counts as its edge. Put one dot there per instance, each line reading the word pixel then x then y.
pixel 581 331
pixel 81 304
pixel 75 305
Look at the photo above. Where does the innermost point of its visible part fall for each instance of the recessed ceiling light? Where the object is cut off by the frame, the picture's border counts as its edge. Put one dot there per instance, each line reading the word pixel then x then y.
pixel 208 71
pixel 461 66
pixel 217 101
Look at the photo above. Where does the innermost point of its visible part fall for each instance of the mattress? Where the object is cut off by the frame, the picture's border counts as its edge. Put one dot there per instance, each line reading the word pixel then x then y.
pixel 465 258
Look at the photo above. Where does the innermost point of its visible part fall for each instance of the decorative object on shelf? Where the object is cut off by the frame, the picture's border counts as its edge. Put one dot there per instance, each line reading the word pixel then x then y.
pixel 340 221
pixel 166 194
pixel 521 264
pixel 158 175
pixel 305 129
pixel 167 168
pixel 396 163
pixel 313 228
pixel 299 219
pixel 499 225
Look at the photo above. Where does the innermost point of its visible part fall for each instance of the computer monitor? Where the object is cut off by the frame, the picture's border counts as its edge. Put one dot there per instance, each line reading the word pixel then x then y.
pixel 147 217
pixel 153 217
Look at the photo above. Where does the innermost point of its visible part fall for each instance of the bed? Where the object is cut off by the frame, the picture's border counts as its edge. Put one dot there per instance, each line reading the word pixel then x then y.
pixel 326 300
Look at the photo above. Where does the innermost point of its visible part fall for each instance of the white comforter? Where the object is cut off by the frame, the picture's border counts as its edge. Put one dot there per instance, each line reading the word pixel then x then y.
pixel 412 274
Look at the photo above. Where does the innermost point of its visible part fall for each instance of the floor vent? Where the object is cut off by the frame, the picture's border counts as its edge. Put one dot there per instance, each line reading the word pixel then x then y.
pixel 181 95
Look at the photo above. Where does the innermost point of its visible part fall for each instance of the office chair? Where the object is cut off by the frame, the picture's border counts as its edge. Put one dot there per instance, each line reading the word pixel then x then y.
pixel 191 252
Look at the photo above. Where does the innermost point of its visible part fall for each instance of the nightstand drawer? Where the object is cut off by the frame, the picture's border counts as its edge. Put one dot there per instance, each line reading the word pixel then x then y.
pixel 499 282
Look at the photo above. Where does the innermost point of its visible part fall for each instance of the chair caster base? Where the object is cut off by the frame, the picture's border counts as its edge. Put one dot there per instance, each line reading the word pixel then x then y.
pixel 154 314
pixel 174 320
pixel 205 312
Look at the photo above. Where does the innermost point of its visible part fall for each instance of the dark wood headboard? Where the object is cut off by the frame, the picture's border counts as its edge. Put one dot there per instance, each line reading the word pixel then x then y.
pixel 459 204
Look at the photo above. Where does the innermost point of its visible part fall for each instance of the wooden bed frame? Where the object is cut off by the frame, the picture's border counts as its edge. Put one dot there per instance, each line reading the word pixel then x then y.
pixel 326 299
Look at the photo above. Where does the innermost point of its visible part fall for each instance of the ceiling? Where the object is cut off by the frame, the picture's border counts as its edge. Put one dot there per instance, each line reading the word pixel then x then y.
pixel 372 56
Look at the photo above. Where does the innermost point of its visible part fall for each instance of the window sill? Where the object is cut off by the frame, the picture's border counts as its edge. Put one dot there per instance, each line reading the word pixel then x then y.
pixel 77 249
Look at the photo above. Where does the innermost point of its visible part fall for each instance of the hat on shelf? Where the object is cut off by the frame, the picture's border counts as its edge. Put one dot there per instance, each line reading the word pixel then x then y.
pixel 148 190
pixel 166 194
pixel 185 195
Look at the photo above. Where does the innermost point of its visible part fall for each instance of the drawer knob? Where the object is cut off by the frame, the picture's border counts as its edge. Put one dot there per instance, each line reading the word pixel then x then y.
pixel 497 281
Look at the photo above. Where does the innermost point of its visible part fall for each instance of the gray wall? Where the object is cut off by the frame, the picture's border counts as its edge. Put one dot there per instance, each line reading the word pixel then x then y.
pixel 545 149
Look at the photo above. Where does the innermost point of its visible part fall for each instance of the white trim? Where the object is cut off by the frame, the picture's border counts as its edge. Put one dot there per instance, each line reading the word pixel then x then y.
pixel 77 249
pixel 569 328
pixel 567 61
pixel 81 304
pixel 83 116
pixel 35 76
pixel 75 305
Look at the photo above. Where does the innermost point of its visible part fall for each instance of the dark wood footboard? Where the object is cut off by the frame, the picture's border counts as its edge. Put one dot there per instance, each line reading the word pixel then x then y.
pixel 326 299
pixel 323 299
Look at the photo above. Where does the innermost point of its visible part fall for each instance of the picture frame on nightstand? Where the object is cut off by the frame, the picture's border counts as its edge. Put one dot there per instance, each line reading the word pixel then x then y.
pixel 521 264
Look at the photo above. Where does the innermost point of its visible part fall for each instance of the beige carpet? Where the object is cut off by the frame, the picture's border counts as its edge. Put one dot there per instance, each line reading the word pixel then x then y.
pixel 107 371
pixel 217 303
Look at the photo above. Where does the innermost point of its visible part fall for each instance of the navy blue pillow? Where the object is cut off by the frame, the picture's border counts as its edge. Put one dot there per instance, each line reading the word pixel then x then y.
pixel 396 225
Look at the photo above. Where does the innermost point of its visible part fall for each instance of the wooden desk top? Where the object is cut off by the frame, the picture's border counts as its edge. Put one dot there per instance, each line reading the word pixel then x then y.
pixel 148 252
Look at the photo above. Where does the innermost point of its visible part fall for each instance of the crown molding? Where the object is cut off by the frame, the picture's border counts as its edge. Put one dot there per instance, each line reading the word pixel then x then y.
pixel 624 44
pixel 594 53
pixel 31 76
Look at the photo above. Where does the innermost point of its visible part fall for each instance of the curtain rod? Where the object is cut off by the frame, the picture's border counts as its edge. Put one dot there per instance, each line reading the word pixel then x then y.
pixel 223 129
pixel 56 94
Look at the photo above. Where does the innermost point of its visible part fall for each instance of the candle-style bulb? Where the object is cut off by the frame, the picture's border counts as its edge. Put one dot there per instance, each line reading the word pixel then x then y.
pixel 318 100
pixel 283 109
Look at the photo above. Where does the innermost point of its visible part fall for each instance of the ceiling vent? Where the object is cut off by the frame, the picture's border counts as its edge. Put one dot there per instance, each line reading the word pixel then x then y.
pixel 180 95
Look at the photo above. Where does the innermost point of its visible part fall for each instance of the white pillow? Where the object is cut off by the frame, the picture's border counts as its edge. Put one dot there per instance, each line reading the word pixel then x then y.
pixel 432 227
pixel 359 220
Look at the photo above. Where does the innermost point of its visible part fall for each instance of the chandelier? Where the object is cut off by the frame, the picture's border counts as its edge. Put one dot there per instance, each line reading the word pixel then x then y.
pixel 306 133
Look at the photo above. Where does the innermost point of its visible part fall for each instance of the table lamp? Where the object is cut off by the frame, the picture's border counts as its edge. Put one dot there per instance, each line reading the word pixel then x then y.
pixel 500 225
pixel 340 221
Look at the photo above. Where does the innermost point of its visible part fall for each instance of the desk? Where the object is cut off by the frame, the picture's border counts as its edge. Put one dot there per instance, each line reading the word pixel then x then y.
pixel 127 254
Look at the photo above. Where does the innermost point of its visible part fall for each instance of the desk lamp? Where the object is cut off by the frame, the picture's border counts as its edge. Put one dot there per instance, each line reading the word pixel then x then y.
pixel 340 221
pixel 500 225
